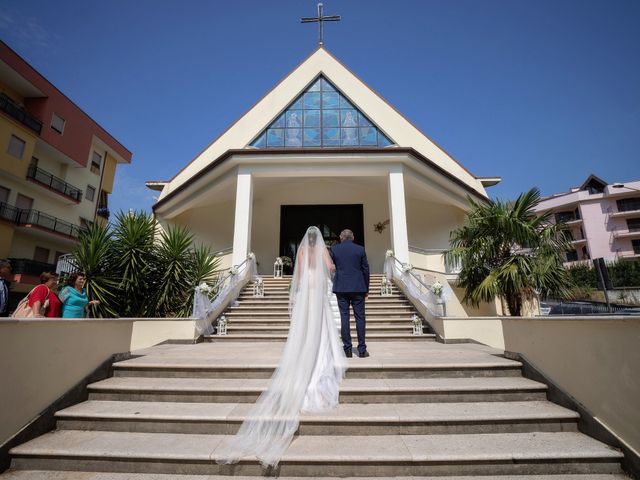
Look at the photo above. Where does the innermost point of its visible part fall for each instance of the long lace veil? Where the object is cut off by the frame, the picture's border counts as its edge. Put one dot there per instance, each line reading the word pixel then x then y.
pixel 310 369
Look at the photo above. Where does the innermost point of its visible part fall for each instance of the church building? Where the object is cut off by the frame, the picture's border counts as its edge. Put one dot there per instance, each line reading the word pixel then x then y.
pixel 322 148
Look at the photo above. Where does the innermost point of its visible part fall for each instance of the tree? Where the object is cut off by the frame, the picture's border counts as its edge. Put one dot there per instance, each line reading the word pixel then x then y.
pixel 135 270
pixel 509 252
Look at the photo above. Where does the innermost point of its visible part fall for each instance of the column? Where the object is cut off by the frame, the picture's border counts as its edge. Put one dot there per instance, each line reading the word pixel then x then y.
pixel 398 215
pixel 242 222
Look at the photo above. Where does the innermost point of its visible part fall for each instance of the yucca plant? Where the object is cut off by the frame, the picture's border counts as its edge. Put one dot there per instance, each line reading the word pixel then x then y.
pixel 509 252
pixel 137 270
pixel 134 253
pixel 174 263
pixel 94 256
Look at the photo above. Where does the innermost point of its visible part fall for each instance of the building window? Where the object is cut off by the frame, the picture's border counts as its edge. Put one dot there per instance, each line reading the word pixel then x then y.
pixel 4 194
pixel 321 117
pixel 57 123
pixel 96 163
pixel 628 204
pixel 633 224
pixel 562 217
pixel 636 246
pixel 41 255
pixel 572 256
pixel 16 147
pixel 91 193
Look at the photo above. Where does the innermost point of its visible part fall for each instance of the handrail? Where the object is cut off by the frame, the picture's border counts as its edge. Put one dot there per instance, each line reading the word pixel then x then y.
pixel 411 273
pixel 225 290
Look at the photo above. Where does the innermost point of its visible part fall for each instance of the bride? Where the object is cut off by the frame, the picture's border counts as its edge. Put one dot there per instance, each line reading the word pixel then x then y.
pixel 312 366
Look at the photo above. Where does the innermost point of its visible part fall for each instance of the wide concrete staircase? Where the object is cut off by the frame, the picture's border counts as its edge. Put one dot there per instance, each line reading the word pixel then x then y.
pixel 415 408
pixel 267 318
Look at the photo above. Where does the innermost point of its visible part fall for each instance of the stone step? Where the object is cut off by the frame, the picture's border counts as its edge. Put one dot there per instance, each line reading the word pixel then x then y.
pixel 260 314
pixel 347 419
pixel 363 456
pixel 371 302
pixel 285 308
pixel 287 322
pixel 352 390
pixel 79 475
pixel 398 359
pixel 238 329
pixel 276 337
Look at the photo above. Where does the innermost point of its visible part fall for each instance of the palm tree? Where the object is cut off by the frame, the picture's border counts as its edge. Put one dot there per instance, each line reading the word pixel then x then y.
pixel 509 252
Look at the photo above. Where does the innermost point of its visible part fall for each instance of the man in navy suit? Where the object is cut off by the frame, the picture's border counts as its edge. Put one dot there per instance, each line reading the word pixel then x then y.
pixel 351 286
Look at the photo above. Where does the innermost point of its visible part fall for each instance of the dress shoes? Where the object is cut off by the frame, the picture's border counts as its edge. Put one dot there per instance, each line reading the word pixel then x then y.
pixel 349 354
pixel 364 354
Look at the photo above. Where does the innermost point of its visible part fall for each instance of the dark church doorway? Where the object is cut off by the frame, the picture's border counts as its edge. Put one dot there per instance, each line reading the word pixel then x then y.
pixel 330 219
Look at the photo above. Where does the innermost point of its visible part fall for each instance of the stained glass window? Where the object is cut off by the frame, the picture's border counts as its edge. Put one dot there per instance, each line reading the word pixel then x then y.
pixel 321 117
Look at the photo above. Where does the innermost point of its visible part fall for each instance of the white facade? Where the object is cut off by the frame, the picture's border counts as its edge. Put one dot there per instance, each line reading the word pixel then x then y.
pixel 412 193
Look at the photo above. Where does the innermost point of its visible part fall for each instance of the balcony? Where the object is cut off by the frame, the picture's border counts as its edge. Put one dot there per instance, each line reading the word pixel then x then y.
pixel 53 183
pixel 626 234
pixel 9 107
pixel 32 218
pixel 625 214
pixel 25 266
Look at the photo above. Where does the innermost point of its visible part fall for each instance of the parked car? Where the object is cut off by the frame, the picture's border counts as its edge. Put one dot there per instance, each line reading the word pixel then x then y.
pixel 545 308
pixel 629 311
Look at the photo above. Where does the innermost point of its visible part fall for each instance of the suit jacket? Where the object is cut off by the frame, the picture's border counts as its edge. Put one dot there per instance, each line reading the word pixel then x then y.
pixel 352 268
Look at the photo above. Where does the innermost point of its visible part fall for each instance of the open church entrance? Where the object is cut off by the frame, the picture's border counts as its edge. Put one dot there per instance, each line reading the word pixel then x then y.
pixel 330 219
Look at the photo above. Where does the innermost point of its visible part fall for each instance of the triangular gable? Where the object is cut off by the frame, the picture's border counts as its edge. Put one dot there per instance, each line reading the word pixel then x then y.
pixel 321 117
pixel 593 182
pixel 381 114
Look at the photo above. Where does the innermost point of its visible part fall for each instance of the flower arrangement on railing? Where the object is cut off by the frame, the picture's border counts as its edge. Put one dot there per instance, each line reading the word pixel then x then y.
pixel 437 289
pixel 389 253
pixel 407 267
pixel 204 289
pixel 416 322
pixel 233 270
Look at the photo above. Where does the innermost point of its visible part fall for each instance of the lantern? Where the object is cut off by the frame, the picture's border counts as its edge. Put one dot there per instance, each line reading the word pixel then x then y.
pixel 385 287
pixel 416 321
pixel 278 268
pixel 222 325
pixel 258 288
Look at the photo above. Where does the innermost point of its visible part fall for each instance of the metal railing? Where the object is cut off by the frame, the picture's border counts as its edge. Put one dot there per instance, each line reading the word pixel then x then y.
pixel 30 267
pixel 9 107
pixel 54 183
pixel 35 217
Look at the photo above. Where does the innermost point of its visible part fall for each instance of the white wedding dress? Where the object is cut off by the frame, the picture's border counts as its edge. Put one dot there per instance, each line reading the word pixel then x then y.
pixel 311 368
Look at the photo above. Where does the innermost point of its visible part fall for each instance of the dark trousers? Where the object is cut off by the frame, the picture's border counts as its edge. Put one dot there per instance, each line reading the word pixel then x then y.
pixel 356 300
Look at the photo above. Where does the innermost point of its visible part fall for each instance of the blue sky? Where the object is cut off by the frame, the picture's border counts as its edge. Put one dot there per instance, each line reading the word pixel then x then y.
pixel 542 92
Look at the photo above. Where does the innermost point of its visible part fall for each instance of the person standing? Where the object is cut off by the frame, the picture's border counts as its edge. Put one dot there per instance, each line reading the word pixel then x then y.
pixel 5 274
pixel 44 298
pixel 74 297
pixel 351 286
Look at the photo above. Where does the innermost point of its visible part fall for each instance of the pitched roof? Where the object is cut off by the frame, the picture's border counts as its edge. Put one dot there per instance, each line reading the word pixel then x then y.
pixel 271 106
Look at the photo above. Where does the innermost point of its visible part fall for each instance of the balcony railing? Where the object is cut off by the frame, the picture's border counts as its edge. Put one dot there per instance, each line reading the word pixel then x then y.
pixel 9 107
pixel 54 183
pixel 37 218
pixel 30 267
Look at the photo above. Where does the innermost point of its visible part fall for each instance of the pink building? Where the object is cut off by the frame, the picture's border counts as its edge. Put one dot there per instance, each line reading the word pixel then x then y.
pixel 604 219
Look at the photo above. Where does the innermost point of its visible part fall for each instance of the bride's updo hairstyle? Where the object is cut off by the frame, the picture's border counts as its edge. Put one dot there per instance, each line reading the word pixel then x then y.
pixel 312 236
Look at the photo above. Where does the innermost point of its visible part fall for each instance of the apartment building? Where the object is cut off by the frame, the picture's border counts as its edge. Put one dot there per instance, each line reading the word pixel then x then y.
pixel 57 168
pixel 603 219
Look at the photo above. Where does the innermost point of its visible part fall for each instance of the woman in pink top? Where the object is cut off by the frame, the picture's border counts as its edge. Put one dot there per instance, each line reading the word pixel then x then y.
pixel 44 292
